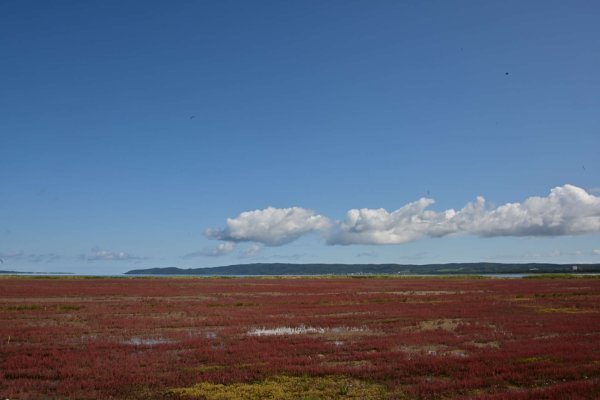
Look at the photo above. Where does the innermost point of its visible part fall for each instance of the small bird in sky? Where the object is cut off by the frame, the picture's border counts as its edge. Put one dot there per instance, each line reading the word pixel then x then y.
pixel 506 73
pixel 192 117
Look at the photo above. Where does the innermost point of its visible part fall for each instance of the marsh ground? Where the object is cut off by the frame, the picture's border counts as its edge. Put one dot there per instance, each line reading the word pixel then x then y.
pixel 311 338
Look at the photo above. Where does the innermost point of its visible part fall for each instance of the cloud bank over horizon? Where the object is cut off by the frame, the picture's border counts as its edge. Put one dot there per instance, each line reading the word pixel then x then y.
pixel 99 254
pixel 29 257
pixel 567 210
pixel 220 250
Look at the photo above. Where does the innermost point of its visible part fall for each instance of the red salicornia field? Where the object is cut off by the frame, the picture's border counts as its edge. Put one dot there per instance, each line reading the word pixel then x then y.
pixel 299 338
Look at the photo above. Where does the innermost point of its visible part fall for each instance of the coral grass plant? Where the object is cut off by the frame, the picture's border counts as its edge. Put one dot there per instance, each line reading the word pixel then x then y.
pixel 301 338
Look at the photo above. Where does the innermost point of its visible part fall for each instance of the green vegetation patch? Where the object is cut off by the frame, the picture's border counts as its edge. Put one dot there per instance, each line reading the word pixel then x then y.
pixel 69 307
pixel 24 307
pixel 207 368
pixel 527 360
pixel 287 388
pixel 567 310
pixel 561 276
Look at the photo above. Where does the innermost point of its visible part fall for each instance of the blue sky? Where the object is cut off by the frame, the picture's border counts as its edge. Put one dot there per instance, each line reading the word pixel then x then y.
pixel 131 132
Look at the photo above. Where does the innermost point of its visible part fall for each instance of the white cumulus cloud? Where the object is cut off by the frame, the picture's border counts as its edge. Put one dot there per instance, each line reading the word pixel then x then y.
pixel 567 210
pixel 270 226
pixel 378 226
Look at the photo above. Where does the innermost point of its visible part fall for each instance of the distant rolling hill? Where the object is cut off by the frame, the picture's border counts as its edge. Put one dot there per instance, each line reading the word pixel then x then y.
pixel 346 269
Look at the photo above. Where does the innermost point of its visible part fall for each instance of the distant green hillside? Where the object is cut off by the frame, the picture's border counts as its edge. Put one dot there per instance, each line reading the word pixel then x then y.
pixel 346 269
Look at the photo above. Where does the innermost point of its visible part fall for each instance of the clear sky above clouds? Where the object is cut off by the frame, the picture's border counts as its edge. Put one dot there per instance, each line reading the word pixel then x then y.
pixel 156 133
